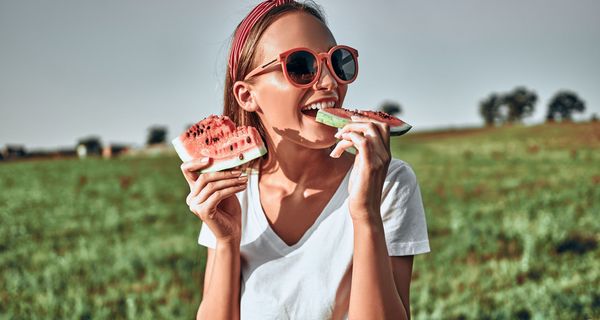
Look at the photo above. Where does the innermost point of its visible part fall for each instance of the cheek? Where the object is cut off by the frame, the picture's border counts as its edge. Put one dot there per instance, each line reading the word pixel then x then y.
pixel 279 97
pixel 342 92
pixel 283 105
pixel 275 83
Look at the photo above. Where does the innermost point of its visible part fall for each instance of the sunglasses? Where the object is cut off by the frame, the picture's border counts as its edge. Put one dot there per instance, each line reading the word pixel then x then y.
pixel 302 66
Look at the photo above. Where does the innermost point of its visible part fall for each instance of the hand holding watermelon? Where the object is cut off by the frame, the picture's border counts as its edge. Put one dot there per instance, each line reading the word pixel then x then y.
pixel 212 198
pixel 209 148
pixel 369 132
pixel 372 140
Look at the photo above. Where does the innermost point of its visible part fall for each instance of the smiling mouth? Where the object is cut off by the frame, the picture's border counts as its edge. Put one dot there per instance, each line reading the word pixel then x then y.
pixel 312 109
pixel 311 113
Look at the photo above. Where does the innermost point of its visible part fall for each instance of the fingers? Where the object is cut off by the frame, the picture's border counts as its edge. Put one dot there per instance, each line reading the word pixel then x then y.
pixel 358 141
pixel 216 197
pixel 382 125
pixel 371 154
pixel 383 128
pixel 369 128
pixel 210 183
pixel 369 131
pixel 340 147
pixel 189 169
pixel 215 186
pixel 206 178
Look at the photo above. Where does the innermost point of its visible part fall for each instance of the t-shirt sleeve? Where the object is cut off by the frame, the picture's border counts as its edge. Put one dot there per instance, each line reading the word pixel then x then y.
pixel 402 212
pixel 207 237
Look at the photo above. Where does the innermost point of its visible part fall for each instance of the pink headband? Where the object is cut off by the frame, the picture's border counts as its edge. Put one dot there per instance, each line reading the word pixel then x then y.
pixel 240 37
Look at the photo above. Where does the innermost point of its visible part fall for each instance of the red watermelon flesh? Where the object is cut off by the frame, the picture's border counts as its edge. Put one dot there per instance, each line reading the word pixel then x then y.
pixel 339 117
pixel 217 137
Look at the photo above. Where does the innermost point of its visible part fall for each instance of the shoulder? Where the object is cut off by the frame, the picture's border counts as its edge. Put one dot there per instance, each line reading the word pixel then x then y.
pixel 400 172
pixel 398 165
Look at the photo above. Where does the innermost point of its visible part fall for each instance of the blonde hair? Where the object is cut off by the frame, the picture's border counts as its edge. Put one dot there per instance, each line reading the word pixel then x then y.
pixel 246 63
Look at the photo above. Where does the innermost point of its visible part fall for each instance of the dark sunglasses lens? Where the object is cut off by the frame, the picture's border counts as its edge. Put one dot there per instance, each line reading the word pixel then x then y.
pixel 301 67
pixel 344 64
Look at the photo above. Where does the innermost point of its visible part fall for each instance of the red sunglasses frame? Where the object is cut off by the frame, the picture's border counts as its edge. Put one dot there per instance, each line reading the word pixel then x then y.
pixel 319 57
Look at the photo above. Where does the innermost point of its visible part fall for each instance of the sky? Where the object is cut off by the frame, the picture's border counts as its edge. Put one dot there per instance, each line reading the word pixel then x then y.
pixel 113 68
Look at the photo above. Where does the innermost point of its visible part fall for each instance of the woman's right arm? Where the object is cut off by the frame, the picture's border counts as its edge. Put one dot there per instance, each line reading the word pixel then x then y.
pixel 212 199
pixel 221 294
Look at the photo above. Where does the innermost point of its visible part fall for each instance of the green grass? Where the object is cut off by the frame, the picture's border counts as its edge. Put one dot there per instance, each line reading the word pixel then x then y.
pixel 513 218
pixel 97 239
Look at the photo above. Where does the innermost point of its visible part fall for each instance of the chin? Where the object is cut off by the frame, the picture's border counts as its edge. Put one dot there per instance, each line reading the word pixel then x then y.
pixel 316 142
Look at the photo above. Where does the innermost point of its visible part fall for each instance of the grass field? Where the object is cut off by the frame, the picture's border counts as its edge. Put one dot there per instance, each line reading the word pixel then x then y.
pixel 513 216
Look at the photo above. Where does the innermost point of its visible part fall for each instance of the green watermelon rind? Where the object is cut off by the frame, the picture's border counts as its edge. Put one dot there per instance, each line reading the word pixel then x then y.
pixel 222 164
pixel 331 120
pixel 339 122
pixel 232 163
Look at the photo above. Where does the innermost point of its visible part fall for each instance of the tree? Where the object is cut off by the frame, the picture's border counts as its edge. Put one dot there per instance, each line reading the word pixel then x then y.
pixel 391 107
pixel 508 107
pixel 488 109
pixel 156 135
pixel 563 104
pixel 520 102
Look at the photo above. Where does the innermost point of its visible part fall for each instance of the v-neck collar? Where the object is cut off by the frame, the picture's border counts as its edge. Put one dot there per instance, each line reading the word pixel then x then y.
pixel 280 245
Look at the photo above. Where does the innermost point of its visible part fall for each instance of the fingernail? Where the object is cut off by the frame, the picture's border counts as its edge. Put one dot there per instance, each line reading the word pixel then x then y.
pixel 204 160
pixel 236 172
pixel 333 154
pixel 243 178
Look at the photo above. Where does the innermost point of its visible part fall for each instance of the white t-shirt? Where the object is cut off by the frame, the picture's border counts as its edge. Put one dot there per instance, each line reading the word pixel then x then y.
pixel 306 280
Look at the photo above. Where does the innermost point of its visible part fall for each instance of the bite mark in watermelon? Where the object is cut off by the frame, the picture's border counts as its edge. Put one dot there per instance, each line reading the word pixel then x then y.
pixel 339 117
pixel 217 137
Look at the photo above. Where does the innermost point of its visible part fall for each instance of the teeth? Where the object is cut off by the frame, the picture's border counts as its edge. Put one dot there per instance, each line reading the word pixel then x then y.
pixel 320 105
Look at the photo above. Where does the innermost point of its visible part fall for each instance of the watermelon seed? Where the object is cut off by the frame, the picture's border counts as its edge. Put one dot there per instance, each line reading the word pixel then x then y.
pixel 206 142
pixel 201 131
pixel 248 139
pixel 231 147
pixel 241 157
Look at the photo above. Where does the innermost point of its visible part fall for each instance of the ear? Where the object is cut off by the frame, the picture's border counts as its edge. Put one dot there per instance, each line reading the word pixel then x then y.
pixel 245 96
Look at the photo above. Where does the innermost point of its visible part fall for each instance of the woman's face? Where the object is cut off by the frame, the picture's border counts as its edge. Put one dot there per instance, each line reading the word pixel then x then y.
pixel 279 102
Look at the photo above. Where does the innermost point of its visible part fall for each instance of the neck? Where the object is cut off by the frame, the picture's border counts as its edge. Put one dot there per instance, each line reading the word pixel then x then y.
pixel 290 165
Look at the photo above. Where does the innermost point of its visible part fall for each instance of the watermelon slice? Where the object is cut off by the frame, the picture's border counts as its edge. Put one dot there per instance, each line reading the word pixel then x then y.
pixel 339 117
pixel 217 137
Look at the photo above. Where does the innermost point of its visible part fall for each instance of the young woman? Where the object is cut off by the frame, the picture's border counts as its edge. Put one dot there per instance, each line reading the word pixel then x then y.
pixel 314 232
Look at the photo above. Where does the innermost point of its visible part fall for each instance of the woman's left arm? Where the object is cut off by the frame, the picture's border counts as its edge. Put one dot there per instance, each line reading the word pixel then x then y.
pixel 402 269
pixel 379 289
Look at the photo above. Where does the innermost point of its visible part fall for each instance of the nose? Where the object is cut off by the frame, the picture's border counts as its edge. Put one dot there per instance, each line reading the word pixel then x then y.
pixel 326 79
